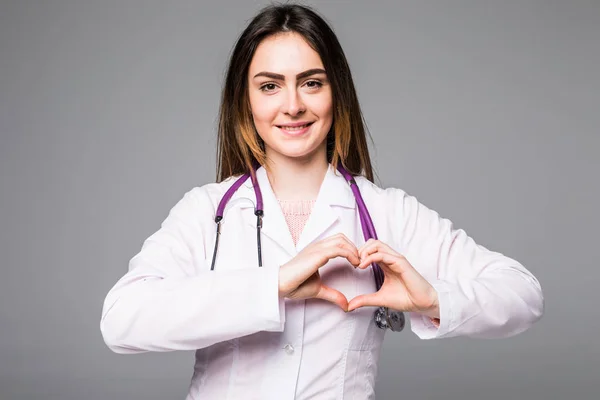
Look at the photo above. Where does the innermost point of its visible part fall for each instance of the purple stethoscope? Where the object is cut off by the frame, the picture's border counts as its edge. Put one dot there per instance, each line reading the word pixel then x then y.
pixel 383 317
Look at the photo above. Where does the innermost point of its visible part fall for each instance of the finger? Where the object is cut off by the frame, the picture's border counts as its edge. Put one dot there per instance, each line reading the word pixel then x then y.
pixel 367 244
pixel 383 259
pixel 333 296
pixel 366 300
pixel 337 239
pixel 373 246
pixel 348 254
pixel 337 236
pixel 340 239
pixel 370 246
pixel 399 267
pixel 341 246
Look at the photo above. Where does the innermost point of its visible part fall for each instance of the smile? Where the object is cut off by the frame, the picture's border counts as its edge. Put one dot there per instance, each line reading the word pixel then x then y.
pixel 295 129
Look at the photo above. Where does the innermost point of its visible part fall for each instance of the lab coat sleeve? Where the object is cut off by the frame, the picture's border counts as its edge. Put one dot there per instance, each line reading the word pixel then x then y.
pixel 482 293
pixel 170 300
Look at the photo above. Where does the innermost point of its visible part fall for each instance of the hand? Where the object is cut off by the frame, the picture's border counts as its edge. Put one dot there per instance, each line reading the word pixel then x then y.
pixel 403 289
pixel 299 278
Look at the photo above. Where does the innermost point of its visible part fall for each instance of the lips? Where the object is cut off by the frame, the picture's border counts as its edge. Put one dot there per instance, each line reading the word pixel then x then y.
pixel 295 127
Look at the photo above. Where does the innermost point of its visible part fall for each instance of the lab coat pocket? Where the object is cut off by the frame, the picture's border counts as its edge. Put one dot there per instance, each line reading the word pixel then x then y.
pixel 360 373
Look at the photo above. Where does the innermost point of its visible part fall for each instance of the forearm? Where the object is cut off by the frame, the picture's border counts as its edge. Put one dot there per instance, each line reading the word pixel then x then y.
pixel 185 313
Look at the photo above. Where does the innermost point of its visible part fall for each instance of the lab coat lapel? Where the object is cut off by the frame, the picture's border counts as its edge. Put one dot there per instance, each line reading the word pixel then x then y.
pixel 274 225
pixel 333 194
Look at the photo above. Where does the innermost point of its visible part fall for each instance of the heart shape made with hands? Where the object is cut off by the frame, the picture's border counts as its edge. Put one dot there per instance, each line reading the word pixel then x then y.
pixel 403 289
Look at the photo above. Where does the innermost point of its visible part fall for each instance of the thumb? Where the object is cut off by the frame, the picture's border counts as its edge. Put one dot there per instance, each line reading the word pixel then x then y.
pixel 333 296
pixel 365 300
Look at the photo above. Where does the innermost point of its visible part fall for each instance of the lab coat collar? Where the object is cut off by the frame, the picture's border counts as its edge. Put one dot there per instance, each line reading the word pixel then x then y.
pixel 334 192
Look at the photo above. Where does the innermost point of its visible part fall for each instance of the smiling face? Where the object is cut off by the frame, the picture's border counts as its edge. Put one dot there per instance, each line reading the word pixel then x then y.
pixel 290 98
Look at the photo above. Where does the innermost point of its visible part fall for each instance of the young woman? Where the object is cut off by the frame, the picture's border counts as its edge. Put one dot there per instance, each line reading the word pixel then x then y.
pixel 274 280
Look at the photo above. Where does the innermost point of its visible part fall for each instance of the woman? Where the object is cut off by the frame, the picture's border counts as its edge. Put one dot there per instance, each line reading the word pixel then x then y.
pixel 301 324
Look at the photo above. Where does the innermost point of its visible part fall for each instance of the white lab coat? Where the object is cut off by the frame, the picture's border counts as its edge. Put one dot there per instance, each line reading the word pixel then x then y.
pixel 251 344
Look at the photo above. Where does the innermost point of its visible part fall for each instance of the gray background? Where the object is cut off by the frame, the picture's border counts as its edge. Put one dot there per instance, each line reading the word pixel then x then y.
pixel 486 111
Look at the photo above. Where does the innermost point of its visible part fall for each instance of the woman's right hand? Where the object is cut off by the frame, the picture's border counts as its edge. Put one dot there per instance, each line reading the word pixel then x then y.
pixel 299 278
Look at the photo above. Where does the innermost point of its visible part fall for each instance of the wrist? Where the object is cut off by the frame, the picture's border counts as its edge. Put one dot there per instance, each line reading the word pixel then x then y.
pixel 283 287
pixel 433 311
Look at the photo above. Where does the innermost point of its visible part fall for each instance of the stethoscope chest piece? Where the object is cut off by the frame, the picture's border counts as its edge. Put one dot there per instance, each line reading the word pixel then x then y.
pixel 386 318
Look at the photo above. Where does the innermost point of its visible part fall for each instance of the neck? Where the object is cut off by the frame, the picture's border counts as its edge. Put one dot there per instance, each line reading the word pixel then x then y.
pixel 293 179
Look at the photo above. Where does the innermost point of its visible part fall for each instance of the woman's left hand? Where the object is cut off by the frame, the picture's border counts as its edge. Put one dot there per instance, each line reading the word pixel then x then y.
pixel 403 289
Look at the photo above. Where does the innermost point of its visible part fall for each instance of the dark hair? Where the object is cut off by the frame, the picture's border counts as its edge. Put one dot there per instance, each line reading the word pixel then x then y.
pixel 239 146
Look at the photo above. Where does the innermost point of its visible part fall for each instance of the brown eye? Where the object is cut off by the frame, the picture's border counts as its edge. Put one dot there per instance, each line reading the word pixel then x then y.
pixel 268 87
pixel 314 84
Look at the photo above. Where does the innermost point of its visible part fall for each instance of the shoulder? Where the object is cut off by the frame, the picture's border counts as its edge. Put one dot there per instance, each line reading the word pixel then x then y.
pixel 204 198
pixel 393 202
pixel 375 192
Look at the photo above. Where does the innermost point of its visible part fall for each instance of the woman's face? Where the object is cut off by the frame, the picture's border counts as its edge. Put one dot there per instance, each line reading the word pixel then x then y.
pixel 287 87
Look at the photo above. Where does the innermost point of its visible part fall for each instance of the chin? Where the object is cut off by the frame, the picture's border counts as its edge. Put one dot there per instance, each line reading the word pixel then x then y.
pixel 299 153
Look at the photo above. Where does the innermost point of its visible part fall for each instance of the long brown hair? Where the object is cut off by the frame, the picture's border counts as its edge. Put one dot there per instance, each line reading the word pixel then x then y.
pixel 239 146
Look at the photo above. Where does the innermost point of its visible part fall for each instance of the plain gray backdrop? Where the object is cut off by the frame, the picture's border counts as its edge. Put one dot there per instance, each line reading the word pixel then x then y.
pixel 487 111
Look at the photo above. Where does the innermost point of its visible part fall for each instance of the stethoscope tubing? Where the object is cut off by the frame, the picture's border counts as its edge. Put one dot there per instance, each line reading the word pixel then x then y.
pixel 383 317
pixel 365 218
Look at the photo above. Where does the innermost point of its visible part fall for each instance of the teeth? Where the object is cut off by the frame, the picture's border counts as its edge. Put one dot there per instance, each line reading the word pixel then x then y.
pixel 294 128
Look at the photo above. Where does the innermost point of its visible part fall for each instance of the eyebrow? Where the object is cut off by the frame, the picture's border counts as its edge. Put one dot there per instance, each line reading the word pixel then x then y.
pixel 301 75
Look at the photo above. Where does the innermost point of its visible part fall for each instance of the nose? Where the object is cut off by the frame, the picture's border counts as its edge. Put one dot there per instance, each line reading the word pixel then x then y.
pixel 294 104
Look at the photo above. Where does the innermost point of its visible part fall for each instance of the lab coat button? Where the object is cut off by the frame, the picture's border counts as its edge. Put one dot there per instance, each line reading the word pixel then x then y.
pixel 289 348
